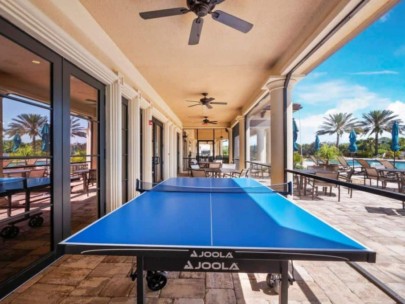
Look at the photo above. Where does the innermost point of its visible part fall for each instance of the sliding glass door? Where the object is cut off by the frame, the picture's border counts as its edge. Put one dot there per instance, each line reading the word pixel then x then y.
pixel 83 116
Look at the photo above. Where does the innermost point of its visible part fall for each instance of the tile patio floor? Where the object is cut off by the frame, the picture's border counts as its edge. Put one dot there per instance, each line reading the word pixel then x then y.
pixel 377 222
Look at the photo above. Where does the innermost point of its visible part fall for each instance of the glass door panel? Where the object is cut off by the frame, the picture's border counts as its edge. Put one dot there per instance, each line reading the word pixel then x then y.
pixel 26 216
pixel 157 146
pixel 84 156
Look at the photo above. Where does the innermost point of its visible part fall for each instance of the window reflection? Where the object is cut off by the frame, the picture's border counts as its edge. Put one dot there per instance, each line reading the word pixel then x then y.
pixel 83 153
pixel 25 153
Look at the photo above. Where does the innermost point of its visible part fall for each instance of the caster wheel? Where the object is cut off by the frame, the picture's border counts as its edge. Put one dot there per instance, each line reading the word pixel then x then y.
pixel 273 280
pixel 9 232
pixel 156 280
pixel 36 221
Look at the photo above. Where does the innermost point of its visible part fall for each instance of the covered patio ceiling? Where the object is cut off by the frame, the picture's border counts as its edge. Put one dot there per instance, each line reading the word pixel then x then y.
pixel 229 65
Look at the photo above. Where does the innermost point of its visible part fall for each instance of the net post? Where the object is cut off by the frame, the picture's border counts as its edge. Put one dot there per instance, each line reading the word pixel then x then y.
pixel 289 188
pixel 139 280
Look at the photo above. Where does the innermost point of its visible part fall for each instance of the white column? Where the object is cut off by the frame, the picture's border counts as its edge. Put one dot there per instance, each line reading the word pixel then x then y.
pixel 173 144
pixel 113 146
pixel 248 132
pixel 230 144
pixel 166 149
pixel 268 144
pixel 134 145
pixel 278 153
pixel 147 146
pixel 242 143
pixel 261 148
pixel 180 152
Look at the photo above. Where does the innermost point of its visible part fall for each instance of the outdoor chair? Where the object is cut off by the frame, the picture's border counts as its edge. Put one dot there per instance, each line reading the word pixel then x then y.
pixel 372 174
pixel 322 184
pixel 198 173
pixel 37 172
pixel 344 165
pixel 215 165
pixel 386 164
pixel 347 177
pixel 317 161
pixel 364 164
pixel 242 173
pixel 92 176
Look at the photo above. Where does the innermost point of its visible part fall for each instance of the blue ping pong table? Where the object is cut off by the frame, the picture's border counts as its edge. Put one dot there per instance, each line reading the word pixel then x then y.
pixel 214 225
pixel 12 185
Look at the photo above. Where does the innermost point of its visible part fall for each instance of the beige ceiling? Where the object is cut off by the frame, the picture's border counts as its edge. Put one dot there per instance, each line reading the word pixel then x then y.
pixel 231 66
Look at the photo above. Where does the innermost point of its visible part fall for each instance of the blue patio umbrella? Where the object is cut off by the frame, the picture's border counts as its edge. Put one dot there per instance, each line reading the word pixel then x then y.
pixel 295 135
pixel 317 144
pixel 16 142
pixel 45 137
pixel 395 138
pixel 352 145
pixel 352 139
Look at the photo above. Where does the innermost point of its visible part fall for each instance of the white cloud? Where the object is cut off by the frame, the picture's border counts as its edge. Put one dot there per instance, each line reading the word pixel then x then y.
pixel 337 96
pixel 384 18
pixel 400 51
pixel 398 107
pixel 382 72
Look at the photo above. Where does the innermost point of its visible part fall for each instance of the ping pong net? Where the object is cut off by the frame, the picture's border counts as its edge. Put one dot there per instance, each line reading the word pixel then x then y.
pixel 209 186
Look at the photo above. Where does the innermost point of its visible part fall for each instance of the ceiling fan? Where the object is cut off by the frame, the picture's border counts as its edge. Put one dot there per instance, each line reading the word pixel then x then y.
pixel 206 101
pixel 201 8
pixel 207 121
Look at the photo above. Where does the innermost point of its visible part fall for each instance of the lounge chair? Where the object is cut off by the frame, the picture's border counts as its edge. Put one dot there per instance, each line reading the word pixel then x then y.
pixel 317 160
pixel 344 165
pixel 364 164
pixel 386 164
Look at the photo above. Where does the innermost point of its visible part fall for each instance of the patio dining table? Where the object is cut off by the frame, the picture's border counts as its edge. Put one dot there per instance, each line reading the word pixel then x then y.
pixel 302 180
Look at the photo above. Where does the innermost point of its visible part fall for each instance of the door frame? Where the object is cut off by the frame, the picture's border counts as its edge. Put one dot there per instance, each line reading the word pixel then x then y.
pixel 71 70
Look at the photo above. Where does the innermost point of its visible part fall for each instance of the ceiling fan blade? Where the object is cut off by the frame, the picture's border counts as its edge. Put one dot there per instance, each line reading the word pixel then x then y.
pixel 195 33
pixel 217 1
pixel 197 104
pixel 210 99
pixel 232 21
pixel 208 106
pixel 164 13
pixel 193 101
pixel 213 122
pixel 219 102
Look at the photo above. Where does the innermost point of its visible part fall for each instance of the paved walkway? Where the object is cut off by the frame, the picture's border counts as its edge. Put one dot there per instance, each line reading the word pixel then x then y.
pixel 377 222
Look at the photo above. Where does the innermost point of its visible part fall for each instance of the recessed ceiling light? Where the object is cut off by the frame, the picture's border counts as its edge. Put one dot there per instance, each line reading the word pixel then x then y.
pixel 36 62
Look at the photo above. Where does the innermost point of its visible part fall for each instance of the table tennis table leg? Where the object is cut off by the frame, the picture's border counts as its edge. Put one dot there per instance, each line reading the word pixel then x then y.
pixel 283 297
pixel 139 280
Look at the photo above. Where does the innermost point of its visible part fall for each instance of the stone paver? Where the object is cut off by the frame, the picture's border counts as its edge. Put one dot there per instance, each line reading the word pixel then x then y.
pixel 377 222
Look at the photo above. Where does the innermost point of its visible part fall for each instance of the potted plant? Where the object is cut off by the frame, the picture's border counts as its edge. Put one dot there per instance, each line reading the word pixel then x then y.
pixel 328 153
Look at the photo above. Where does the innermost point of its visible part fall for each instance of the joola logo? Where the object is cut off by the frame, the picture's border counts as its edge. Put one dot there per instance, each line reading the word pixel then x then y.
pixel 211 254
pixel 210 266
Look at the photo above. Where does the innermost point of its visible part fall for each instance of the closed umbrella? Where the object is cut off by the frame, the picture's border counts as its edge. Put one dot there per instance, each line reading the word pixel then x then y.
pixel 16 142
pixel 317 144
pixel 295 135
pixel 352 145
pixel 395 138
pixel 45 137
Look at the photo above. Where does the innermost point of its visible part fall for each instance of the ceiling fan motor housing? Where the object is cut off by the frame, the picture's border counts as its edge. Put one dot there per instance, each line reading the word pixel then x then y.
pixel 200 7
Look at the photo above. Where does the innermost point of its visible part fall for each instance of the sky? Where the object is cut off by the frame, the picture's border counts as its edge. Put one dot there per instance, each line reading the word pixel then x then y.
pixel 366 74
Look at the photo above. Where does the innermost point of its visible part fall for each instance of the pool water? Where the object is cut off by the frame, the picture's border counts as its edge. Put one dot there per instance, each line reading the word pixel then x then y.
pixel 399 164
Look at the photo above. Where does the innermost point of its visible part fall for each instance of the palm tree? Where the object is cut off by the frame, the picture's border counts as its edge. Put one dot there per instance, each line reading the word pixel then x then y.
pixel 27 124
pixel 75 128
pixel 338 124
pixel 377 122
